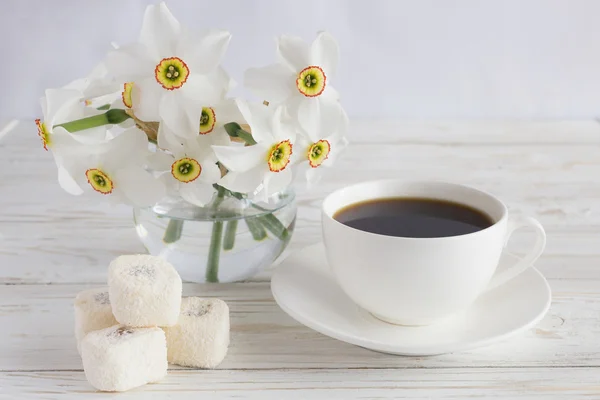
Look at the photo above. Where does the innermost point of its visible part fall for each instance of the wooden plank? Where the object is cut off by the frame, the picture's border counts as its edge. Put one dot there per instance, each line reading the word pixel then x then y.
pixel 37 333
pixel 475 132
pixel 51 237
pixel 446 131
pixel 460 383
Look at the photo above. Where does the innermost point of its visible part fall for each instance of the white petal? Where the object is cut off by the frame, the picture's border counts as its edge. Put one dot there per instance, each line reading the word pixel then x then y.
pixel 275 182
pixel 218 137
pixel 101 87
pixel 44 106
pixel 67 182
pixel 197 193
pixel 71 170
pixel 273 83
pixel 167 140
pixel 228 111
pixel 99 71
pixel 241 158
pixel 192 113
pixel 330 94
pixel 281 127
pixel 210 173
pixel 56 100
pixel 171 184
pixel 146 95
pixel 138 186
pixel 160 161
pixel 325 53
pixel 116 198
pixel 160 31
pixel 88 136
pixel 259 119
pixel 204 52
pixel 221 78
pixel 201 90
pixel 338 145
pixel 301 147
pixel 78 84
pixel 293 51
pixel 313 176
pixel 222 75
pixel 244 182
pixel 200 148
pixel 318 118
pixel 61 139
pixel 309 115
pixel 277 127
pixel 129 148
pixel 75 110
pixel 174 115
pixel 130 63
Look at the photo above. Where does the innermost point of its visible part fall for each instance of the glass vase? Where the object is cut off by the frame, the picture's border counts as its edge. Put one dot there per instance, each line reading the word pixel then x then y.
pixel 228 240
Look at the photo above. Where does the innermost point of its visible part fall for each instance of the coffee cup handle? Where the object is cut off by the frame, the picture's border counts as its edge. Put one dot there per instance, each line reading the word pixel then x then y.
pixel 506 274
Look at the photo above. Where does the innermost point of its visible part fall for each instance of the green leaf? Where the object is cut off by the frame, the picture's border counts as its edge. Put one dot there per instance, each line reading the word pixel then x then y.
pixel 232 128
pixel 235 130
pixel 274 225
pixel 256 229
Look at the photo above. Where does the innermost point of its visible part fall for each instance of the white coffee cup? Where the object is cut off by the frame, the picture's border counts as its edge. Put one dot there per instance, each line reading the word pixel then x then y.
pixel 418 281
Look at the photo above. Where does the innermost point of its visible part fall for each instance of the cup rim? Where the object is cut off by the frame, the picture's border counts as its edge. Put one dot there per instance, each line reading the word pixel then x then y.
pixel 460 186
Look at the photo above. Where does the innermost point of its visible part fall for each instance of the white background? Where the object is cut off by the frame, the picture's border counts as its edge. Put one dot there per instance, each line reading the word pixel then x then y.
pixel 415 59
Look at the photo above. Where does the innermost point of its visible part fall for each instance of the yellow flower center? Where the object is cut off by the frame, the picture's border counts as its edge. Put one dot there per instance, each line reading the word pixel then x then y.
pixel 126 94
pixel 87 102
pixel 311 81
pixel 318 152
pixel 208 119
pixel 279 156
pixel 186 170
pixel 171 73
pixel 99 181
pixel 43 133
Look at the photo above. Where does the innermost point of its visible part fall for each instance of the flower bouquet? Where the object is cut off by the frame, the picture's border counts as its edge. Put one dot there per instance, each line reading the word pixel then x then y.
pixel 153 127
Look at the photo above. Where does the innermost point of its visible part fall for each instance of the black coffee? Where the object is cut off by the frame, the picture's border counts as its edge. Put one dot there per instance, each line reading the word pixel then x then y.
pixel 413 217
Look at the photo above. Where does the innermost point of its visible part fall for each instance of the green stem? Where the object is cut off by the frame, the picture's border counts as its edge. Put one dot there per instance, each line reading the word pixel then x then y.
pixel 114 116
pixel 256 229
pixel 230 231
pixel 214 252
pixel 274 225
pixel 216 238
pixel 173 231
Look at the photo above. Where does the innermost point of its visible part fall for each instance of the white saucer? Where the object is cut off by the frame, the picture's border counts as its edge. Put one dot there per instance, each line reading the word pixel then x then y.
pixel 305 289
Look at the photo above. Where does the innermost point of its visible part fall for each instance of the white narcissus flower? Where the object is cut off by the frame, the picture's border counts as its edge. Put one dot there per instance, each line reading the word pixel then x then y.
pixel 302 79
pixel 171 74
pixel 319 149
pixel 211 127
pixel 191 169
pixel 64 105
pixel 60 106
pixel 262 169
pixel 115 169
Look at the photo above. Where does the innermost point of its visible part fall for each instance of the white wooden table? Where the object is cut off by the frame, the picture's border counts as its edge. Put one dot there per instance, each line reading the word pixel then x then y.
pixel 53 245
